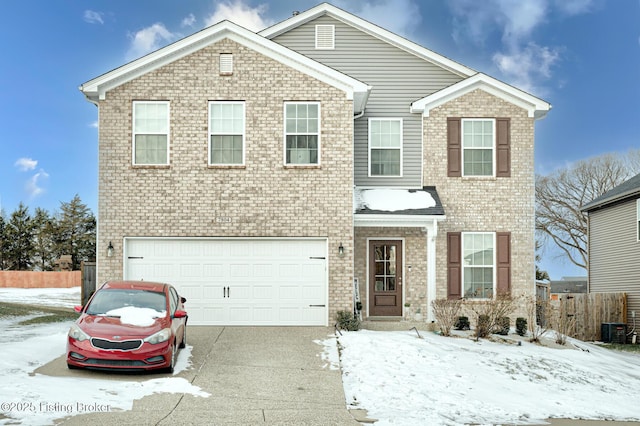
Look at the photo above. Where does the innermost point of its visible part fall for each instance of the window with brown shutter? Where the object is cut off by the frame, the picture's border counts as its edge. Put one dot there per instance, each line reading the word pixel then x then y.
pixel 454 265
pixel 454 148
pixel 503 262
pixel 502 148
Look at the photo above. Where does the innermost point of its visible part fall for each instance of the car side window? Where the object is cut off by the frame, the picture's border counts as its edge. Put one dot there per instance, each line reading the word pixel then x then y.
pixel 173 300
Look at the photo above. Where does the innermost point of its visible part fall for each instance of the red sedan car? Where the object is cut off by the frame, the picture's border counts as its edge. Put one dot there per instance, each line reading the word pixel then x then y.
pixel 129 325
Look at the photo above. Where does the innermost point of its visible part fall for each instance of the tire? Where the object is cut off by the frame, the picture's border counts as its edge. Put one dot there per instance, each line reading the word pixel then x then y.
pixel 183 343
pixel 174 355
pixel 72 367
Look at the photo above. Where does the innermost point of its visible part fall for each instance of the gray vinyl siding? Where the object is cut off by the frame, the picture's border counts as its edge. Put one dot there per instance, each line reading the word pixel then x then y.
pixel 398 78
pixel 614 253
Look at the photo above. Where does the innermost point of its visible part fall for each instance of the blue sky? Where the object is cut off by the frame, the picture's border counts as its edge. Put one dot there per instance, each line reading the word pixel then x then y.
pixel 582 56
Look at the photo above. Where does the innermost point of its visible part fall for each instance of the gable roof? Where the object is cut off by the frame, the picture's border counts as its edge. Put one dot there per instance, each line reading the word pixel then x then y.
pixel 369 28
pixel 355 90
pixel 627 189
pixel 536 107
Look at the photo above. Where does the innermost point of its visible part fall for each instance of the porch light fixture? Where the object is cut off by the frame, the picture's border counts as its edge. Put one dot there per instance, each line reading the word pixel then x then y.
pixel 341 250
pixel 110 250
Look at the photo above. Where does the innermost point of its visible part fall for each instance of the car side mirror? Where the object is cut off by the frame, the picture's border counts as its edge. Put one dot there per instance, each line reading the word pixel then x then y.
pixel 179 314
pixel 182 299
pixel 78 309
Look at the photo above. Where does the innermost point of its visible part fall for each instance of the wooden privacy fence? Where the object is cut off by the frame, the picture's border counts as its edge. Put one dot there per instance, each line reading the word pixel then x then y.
pixel 40 279
pixel 590 310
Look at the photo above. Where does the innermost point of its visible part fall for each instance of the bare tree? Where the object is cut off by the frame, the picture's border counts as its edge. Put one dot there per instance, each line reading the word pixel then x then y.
pixel 561 194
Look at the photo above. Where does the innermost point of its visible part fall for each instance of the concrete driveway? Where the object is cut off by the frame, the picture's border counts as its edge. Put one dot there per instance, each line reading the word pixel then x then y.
pixel 255 375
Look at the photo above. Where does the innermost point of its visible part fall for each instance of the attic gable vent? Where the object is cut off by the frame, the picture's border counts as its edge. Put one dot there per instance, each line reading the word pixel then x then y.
pixel 325 36
pixel 226 64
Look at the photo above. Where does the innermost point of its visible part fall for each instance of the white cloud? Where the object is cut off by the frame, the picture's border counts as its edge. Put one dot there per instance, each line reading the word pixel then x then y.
pixel 525 66
pixel 188 21
pixel 149 39
pixel 522 61
pixel 25 164
pixel 94 124
pixel 93 17
pixel 251 18
pixel 34 185
pixel 575 7
pixel 386 14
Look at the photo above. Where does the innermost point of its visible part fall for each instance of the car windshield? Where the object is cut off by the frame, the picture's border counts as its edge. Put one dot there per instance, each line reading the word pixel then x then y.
pixel 107 300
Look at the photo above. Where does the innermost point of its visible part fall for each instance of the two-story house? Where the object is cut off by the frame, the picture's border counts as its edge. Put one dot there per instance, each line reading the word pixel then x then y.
pixel 614 246
pixel 264 173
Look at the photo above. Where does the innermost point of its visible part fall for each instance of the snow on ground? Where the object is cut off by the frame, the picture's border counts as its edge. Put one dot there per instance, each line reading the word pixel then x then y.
pixel 28 398
pixel 403 379
pixel 398 377
pixel 61 297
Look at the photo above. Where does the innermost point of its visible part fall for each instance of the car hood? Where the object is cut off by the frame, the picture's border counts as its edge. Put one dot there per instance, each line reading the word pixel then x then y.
pixel 111 325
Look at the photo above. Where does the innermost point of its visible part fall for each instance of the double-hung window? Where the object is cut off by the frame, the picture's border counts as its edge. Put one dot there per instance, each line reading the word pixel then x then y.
pixel 385 147
pixel 478 147
pixel 226 133
pixel 478 271
pixel 302 133
pixel 151 133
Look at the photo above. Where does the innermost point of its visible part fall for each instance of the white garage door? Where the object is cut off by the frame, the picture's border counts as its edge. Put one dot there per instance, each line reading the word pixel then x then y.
pixel 238 281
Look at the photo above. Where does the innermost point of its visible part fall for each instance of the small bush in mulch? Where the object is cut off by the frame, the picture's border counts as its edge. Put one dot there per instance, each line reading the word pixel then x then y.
pixel 348 321
pixel 521 326
pixel 462 323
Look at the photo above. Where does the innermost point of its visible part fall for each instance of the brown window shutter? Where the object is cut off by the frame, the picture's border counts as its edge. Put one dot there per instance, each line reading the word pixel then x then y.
pixel 503 262
pixel 454 265
pixel 503 147
pixel 454 147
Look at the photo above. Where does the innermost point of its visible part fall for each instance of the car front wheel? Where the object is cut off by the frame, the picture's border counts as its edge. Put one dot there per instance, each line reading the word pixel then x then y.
pixel 174 353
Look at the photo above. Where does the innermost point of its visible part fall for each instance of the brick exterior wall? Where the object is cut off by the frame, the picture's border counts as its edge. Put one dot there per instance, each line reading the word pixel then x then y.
pixel 263 198
pixel 485 204
pixel 414 252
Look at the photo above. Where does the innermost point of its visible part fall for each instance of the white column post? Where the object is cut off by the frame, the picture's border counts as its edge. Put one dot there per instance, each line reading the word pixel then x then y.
pixel 432 233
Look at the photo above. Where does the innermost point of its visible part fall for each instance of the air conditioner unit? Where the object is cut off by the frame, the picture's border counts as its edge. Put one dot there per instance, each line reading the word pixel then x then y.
pixel 613 332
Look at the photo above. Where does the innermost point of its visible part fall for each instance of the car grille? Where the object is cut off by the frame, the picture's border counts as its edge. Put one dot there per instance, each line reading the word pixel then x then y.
pixel 114 363
pixel 124 345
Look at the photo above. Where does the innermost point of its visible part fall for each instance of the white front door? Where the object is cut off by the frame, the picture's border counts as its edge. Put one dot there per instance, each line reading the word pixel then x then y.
pixel 238 281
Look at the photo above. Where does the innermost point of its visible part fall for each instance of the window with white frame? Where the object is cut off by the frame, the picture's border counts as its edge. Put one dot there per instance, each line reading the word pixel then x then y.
pixel 385 147
pixel 226 133
pixel 302 133
pixel 478 146
pixel 151 133
pixel 478 271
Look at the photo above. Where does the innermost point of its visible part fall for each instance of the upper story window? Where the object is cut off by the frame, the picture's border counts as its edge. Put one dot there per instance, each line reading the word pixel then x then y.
pixel 325 36
pixel 478 147
pixel 150 132
pixel 478 143
pixel 478 254
pixel 302 133
pixel 226 133
pixel 385 147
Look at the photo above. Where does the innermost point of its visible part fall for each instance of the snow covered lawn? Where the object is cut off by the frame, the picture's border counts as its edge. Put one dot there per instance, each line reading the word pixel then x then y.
pixel 402 379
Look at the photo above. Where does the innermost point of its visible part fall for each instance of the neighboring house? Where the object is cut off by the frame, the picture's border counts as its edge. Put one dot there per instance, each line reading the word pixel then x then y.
pixel 614 243
pixel 262 174
pixel 568 285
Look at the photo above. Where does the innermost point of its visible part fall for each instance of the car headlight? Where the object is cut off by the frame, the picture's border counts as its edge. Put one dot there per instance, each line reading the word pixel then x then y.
pixel 76 333
pixel 159 337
